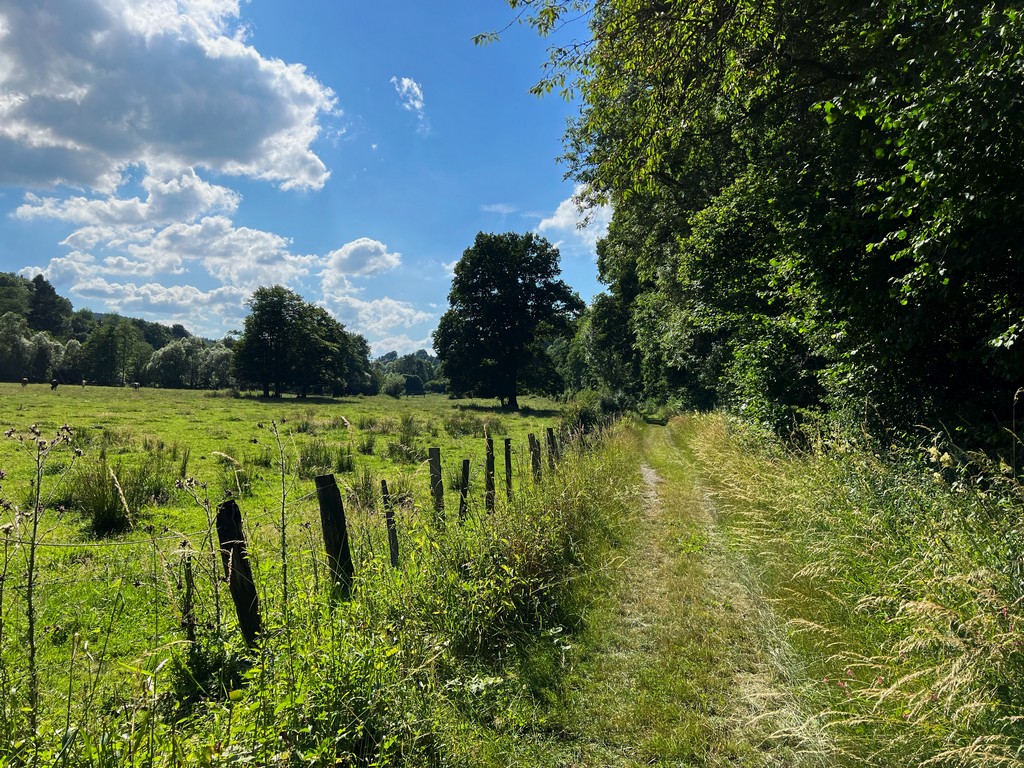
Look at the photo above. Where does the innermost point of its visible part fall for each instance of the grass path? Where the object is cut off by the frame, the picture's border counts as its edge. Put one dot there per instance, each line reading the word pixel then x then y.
pixel 691 666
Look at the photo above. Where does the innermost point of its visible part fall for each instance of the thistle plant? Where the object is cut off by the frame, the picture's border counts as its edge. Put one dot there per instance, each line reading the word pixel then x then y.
pixel 28 522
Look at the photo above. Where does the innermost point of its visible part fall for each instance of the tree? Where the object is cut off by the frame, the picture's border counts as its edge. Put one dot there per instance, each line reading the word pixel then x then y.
pixel 14 346
pixel 177 365
pixel 115 353
pixel 264 351
pixel 15 292
pixel 215 367
pixel 506 305
pixel 287 343
pixel 46 310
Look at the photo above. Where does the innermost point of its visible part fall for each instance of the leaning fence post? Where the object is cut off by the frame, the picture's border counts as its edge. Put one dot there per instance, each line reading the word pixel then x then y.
pixel 489 476
pixel 238 570
pixel 436 485
pixel 464 490
pixel 508 468
pixel 335 530
pixel 389 518
pixel 553 456
pixel 535 457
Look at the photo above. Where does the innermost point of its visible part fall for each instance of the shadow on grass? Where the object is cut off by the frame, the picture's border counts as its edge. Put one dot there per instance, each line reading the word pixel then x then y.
pixel 296 400
pixel 544 413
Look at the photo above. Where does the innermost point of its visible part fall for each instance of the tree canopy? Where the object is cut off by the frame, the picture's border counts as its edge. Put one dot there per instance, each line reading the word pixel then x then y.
pixel 506 305
pixel 815 203
pixel 288 343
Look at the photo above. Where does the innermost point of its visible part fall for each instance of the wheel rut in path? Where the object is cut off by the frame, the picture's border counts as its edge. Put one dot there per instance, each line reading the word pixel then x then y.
pixel 693 666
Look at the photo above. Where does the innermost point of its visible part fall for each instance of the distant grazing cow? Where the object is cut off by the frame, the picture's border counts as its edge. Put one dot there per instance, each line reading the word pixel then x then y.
pixel 136 385
pixel 24 382
pixel 53 385
pixel 83 382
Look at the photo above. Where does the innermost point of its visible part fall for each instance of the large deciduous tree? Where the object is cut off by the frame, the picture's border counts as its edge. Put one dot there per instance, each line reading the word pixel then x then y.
pixel 287 343
pixel 506 305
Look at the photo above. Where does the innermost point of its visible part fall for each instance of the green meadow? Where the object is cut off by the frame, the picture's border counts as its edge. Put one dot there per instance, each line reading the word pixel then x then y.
pixel 119 637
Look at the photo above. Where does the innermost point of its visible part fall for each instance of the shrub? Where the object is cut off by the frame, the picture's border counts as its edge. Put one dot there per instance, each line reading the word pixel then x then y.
pixel 393 385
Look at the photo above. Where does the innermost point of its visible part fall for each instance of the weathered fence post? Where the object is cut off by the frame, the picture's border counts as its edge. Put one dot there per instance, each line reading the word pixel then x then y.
pixel 238 570
pixel 464 490
pixel 188 600
pixel 436 484
pixel 489 476
pixel 335 529
pixel 389 518
pixel 553 456
pixel 508 468
pixel 535 456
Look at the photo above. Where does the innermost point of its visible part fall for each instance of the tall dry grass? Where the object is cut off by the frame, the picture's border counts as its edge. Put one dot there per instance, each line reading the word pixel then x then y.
pixel 899 574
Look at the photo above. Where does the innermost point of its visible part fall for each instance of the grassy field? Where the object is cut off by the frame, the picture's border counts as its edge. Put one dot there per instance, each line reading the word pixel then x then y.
pixel 118 636
pixel 695 594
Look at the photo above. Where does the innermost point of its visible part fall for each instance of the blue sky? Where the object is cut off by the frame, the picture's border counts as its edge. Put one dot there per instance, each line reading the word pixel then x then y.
pixel 163 159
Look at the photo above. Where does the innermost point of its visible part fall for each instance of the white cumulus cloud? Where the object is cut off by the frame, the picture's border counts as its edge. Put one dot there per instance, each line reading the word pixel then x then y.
pixel 582 228
pixel 90 87
pixel 376 317
pixel 359 258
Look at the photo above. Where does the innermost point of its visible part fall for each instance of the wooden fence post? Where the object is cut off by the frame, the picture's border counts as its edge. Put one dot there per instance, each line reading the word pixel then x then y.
pixel 238 570
pixel 436 484
pixel 508 468
pixel 335 530
pixel 535 457
pixel 188 600
pixel 553 457
pixel 389 518
pixel 464 490
pixel 489 476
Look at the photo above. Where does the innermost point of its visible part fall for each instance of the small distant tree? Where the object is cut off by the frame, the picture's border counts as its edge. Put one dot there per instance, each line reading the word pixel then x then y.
pixel 414 385
pixel 507 304
pixel 393 385
pixel 215 367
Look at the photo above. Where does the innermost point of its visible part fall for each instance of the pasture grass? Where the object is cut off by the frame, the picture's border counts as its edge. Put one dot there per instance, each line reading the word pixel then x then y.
pixel 448 659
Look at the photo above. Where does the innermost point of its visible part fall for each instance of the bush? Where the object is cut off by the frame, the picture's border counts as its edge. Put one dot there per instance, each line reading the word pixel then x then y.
pixel 393 385
pixel 584 413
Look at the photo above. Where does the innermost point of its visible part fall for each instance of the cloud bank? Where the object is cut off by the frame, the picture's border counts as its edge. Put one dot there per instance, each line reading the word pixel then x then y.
pixel 91 87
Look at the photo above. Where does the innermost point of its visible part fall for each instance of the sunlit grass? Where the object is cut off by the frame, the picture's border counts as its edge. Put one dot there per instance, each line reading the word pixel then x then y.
pixel 140 661
pixel 898 578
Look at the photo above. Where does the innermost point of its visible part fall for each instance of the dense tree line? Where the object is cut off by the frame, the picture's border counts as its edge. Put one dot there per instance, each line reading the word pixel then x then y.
pixel 816 203
pixel 299 349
